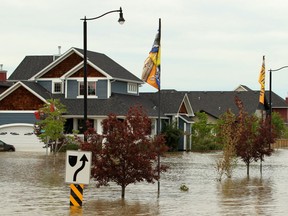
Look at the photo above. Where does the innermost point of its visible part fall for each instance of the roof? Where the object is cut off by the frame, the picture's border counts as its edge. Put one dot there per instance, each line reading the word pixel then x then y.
pixel 32 65
pixel 5 84
pixel 118 104
pixel 218 102
pixel 29 66
pixel 108 65
pixel 170 100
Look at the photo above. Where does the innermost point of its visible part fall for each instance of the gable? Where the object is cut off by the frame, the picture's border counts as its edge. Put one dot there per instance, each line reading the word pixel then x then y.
pixel 91 72
pixel 62 67
pixel 183 109
pixel 21 99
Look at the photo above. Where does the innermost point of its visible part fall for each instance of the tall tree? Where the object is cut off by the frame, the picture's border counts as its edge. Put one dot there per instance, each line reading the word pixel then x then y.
pixel 254 137
pixel 266 136
pixel 226 130
pixel 125 153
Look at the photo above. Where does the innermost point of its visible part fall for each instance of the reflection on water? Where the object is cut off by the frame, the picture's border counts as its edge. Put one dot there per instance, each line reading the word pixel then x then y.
pixel 31 185
pixel 248 194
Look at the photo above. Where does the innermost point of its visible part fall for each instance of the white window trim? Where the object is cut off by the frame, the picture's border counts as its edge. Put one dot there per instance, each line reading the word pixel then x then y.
pixel 130 88
pixel 88 96
pixel 53 86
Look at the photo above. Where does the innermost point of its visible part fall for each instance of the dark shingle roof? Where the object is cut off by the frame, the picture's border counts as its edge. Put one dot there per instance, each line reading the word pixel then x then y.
pixel 216 102
pixel 30 66
pixel 118 104
pixel 44 93
pixel 170 100
pixel 110 66
pixel 5 84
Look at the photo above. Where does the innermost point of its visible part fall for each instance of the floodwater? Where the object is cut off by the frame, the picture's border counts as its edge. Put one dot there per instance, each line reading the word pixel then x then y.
pixel 31 185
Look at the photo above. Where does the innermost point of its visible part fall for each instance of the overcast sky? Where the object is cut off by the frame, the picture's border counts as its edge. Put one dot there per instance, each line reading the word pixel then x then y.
pixel 206 44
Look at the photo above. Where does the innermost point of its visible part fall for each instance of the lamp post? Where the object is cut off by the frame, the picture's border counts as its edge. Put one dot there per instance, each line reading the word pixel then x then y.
pixel 121 20
pixel 270 87
pixel 270 95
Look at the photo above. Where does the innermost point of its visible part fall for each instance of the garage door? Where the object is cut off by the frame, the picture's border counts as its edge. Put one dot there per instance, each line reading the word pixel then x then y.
pixel 21 136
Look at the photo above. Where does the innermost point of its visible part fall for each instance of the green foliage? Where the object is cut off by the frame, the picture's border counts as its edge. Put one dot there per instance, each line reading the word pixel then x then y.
pixel 203 138
pixel 52 126
pixel 279 125
pixel 225 128
pixel 249 136
pixel 172 135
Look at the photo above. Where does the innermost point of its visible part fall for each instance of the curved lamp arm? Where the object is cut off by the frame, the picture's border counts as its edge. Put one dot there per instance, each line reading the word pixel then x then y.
pixel 121 20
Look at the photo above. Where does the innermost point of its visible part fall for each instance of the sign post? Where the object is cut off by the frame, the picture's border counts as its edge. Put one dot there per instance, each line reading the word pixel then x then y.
pixel 78 169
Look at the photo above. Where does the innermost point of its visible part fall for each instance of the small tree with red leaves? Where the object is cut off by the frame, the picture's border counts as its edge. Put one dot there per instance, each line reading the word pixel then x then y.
pixel 254 137
pixel 125 153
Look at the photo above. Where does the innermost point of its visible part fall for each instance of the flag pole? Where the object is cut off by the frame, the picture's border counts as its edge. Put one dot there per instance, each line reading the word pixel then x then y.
pixel 159 114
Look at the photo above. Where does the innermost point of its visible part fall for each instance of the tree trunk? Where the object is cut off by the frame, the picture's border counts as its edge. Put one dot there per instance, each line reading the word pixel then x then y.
pixel 261 167
pixel 123 192
pixel 247 164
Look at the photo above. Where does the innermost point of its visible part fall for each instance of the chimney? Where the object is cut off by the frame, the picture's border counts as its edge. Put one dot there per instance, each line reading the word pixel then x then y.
pixel 286 99
pixel 3 73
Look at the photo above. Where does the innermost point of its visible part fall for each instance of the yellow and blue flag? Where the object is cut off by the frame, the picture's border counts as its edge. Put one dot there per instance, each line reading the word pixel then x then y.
pixel 151 69
pixel 261 81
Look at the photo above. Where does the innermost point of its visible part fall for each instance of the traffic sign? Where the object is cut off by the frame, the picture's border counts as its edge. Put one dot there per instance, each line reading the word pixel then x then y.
pixel 78 167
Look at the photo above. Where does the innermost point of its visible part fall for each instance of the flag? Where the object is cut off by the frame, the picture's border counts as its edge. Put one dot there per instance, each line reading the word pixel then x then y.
pixel 261 81
pixel 151 69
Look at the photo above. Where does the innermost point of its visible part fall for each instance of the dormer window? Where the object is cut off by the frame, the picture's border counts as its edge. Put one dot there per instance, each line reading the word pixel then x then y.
pixel 57 87
pixel 91 89
pixel 132 88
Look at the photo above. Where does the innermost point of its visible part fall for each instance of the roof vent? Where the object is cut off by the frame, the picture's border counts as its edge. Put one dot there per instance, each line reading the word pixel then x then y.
pixel 59 50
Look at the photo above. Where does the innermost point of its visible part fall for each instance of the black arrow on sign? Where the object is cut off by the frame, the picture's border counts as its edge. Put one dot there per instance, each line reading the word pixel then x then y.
pixel 84 160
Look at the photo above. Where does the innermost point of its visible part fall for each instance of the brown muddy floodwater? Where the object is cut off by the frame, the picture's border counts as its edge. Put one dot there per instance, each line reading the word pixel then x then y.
pixel 30 185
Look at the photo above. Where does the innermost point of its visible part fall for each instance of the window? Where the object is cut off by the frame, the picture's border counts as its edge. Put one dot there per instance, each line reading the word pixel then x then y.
pixel 57 87
pixel 132 88
pixel 81 125
pixel 91 88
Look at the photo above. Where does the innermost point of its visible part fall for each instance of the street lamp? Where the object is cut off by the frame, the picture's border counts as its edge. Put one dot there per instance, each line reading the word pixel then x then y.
pixel 270 87
pixel 121 20
pixel 270 96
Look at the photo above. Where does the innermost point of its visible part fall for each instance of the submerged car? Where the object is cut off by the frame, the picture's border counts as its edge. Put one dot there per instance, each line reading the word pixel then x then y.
pixel 6 147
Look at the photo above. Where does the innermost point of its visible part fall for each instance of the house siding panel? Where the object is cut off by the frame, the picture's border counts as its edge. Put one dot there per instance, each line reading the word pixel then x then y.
pixel 10 118
pixel 119 87
pixel 21 99
pixel 64 66
pixel 72 89
pixel 181 141
pixel 46 84
pixel 101 90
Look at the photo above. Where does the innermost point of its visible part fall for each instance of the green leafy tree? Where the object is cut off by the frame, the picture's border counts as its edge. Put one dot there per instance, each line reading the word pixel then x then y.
pixel 203 137
pixel 226 130
pixel 125 153
pixel 172 135
pixel 278 125
pixel 249 136
pixel 52 123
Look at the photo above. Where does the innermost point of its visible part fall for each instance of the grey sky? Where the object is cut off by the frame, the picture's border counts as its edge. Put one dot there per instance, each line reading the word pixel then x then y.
pixel 206 44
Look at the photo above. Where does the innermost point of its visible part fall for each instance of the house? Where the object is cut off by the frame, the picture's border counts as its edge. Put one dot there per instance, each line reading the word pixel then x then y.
pixel 3 77
pixel 111 89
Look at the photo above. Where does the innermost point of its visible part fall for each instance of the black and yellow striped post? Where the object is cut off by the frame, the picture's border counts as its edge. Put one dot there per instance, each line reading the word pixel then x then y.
pixel 76 194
